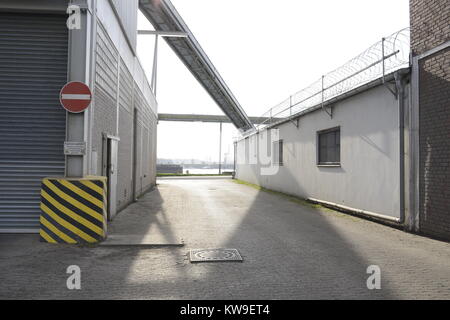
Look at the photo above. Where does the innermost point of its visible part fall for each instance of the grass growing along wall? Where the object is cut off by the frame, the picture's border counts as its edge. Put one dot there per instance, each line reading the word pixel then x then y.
pixel 193 175
pixel 284 195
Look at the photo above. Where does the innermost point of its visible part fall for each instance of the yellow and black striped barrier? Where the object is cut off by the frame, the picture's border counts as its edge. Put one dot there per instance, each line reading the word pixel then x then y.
pixel 73 210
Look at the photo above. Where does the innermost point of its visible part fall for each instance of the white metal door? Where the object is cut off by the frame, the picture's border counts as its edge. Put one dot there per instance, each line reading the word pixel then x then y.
pixel 112 178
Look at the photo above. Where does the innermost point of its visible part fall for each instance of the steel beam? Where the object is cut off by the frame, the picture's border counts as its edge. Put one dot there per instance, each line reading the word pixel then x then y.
pixel 163 33
pixel 206 118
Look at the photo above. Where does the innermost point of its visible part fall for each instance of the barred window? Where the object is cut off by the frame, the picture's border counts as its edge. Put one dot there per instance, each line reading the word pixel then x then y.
pixel 329 147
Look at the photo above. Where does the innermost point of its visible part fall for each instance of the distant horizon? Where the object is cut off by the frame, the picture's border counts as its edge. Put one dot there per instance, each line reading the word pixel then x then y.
pixel 192 161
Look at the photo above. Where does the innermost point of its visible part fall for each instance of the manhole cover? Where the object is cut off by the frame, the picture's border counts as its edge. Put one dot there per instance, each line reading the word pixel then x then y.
pixel 214 255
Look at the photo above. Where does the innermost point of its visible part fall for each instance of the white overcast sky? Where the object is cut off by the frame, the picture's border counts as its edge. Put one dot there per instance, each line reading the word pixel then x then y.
pixel 265 51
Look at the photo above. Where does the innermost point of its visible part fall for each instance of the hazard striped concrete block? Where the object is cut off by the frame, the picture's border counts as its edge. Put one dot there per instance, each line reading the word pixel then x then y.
pixel 73 210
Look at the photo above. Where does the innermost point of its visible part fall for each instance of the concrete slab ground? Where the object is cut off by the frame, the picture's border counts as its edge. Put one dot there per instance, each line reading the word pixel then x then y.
pixel 148 240
pixel 290 251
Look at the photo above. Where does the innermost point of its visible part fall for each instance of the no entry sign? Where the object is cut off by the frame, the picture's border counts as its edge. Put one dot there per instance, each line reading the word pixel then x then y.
pixel 75 97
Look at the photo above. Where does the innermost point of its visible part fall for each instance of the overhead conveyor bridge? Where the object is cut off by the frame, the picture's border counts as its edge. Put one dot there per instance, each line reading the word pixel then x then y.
pixel 165 18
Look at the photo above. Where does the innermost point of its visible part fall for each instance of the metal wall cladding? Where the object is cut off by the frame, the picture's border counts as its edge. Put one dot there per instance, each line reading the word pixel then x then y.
pixel 125 159
pixel 146 159
pixel 107 63
pixel 146 144
pixel 33 68
pixel 139 172
pixel 117 95
pixel 125 88
pixel 125 166
pixel 105 93
pixel 127 11
pixel 152 151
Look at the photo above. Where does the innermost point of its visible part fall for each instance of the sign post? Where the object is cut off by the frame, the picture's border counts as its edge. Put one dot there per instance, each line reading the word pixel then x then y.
pixel 75 97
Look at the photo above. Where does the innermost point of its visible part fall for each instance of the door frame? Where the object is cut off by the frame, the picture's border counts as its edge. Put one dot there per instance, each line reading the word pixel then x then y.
pixel 106 170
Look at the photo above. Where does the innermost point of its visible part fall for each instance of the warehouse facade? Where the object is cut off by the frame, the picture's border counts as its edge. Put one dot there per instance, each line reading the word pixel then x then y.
pixel 344 140
pixel 350 160
pixel 38 55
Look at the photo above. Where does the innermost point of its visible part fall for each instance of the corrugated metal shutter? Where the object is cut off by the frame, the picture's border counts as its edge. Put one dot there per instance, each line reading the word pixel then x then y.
pixel 33 68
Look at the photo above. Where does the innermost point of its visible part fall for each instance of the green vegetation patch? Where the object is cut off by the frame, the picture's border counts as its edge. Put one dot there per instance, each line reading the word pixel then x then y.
pixel 192 175
pixel 303 202
pixel 289 197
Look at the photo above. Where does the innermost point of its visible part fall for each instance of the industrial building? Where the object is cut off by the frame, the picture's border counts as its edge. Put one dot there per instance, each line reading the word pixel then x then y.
pixel 320 187
pixel 39 54
pixel 370 138
pixel 342 141
pixel 46 44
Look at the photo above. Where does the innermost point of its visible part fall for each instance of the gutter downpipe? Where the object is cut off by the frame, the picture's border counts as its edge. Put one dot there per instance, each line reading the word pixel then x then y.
pixel 234 159
pixel 90 119
pixel 400 84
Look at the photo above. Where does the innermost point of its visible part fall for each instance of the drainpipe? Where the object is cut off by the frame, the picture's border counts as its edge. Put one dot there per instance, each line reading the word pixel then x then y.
pixel 234 160
pixel 400 84
pixel 91 165
pixel 220 150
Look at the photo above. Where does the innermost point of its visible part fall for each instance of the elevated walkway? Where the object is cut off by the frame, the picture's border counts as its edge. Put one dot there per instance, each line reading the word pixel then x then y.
pixel 165 18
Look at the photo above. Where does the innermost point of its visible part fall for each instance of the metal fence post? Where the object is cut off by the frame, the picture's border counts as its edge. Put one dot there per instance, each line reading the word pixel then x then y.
pixel 290 106
pixel 155 66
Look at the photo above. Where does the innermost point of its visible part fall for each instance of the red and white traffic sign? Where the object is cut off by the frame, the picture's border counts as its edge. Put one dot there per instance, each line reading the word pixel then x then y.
pixel 75 97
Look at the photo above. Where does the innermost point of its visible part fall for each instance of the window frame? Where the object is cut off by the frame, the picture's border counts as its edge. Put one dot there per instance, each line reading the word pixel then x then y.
pixel 318 148
pixel 280 160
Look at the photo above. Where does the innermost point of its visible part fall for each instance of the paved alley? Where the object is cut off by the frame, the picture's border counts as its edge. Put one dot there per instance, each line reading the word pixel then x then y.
pixel 290 251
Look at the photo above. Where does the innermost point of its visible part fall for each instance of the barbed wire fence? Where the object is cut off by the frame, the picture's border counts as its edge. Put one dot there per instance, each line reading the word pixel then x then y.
pixel 379 60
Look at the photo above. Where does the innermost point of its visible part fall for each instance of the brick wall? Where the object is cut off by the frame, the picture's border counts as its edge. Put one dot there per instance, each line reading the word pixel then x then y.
pixel 430 24
pixel 430 27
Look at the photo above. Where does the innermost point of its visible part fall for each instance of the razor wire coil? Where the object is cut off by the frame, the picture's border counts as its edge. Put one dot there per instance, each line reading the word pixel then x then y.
pixel 382 58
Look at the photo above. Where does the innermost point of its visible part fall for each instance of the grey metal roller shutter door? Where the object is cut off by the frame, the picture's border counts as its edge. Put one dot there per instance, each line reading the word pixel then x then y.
pixel 33 68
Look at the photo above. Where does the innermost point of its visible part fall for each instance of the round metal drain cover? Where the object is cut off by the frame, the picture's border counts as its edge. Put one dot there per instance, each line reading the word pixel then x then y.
pixel 214 255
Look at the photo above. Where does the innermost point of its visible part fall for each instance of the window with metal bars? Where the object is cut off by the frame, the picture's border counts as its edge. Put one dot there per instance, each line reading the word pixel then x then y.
pixel 329 147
